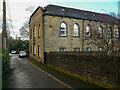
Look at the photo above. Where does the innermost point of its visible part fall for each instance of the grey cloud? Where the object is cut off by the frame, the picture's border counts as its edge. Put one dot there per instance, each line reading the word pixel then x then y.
pixel 30 9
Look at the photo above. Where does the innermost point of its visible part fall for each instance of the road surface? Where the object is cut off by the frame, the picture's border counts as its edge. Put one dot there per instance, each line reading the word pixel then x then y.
pixel 25 75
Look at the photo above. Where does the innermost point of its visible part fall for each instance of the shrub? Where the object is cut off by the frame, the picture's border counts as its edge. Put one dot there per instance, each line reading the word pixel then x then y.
pixel 5 61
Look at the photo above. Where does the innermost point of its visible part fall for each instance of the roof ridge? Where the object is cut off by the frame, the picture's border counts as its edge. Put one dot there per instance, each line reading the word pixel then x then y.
pixel 80 10
pixel 63 11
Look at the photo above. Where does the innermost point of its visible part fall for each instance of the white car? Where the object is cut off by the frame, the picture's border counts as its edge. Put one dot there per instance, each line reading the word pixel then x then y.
pixel 22 54
pixel 13 52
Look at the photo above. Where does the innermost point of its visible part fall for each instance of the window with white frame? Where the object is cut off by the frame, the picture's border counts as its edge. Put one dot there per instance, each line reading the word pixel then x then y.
pixel 34 32
pixel 108 33
pixel 100 32
pixel 88 31
pixel 99 49
pixel 38 51
pixel 62 49
pixel 76 49
pixel 76 30
pixel 63 29
pixel 34 49
pixel 88 48
pixel 117 33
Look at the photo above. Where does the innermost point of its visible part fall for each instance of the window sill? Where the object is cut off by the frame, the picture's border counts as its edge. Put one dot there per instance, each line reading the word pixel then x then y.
pixel 63 36
pixel 76 36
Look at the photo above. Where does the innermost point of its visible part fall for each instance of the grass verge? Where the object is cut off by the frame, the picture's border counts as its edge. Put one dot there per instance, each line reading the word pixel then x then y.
pixel 4 78
pixel 63 75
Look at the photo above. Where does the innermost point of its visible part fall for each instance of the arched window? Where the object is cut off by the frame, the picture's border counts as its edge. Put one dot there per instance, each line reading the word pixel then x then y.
pixel 108 33
pixel 88 31
pixel 117 33
pixel 34 32
pixel 100 31
pixel 63 29
pixel 76 30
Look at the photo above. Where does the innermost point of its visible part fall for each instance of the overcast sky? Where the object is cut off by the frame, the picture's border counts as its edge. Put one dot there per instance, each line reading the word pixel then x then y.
pixel 20 10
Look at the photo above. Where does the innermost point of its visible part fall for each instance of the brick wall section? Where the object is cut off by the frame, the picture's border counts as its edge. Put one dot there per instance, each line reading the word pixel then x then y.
pixel 101 70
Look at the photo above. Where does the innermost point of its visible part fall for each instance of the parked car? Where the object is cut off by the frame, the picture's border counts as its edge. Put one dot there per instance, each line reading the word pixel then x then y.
pixel 13 52
pixel 22 54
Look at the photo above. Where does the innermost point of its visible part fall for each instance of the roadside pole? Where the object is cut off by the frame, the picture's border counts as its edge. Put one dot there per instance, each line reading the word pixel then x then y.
pixel 4 33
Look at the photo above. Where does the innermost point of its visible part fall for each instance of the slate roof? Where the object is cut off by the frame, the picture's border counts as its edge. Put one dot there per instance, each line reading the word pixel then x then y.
pixel 55 10
pixel 78 14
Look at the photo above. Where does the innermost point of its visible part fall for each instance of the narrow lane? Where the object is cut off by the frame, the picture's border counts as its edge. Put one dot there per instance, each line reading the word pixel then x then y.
pixel 24 75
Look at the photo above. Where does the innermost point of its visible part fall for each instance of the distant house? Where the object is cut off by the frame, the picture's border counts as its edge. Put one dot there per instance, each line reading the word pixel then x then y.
pixel 57 28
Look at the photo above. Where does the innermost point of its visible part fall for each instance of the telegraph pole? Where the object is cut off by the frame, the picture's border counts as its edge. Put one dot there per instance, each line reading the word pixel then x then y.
pixel 4 33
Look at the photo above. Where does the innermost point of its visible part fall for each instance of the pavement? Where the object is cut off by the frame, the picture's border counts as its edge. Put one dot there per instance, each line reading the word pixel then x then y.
pixel 25 75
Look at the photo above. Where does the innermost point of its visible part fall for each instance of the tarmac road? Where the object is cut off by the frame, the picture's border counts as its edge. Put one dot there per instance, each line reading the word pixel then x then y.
pixel 25 75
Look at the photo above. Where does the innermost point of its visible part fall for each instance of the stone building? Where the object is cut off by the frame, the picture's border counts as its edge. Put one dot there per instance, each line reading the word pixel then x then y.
pixel 57 28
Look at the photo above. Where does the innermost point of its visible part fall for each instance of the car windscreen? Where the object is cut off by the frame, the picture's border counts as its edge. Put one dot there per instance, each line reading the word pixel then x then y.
pixel 21 52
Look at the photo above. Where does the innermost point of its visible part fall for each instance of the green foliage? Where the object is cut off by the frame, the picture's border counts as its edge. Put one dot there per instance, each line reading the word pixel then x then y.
pixel 5 61
pixel 19 45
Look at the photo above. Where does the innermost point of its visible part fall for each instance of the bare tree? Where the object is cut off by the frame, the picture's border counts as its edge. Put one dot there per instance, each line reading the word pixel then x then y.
pixel 107 40
pixel 117 15
pixel 114 15
pixel 24 31
pixel 109 44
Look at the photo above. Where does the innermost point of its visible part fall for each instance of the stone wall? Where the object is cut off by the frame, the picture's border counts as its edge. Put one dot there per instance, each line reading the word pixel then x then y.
pixel 52 38
pixel 37 21
pixel 98 69
pixel 53 41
